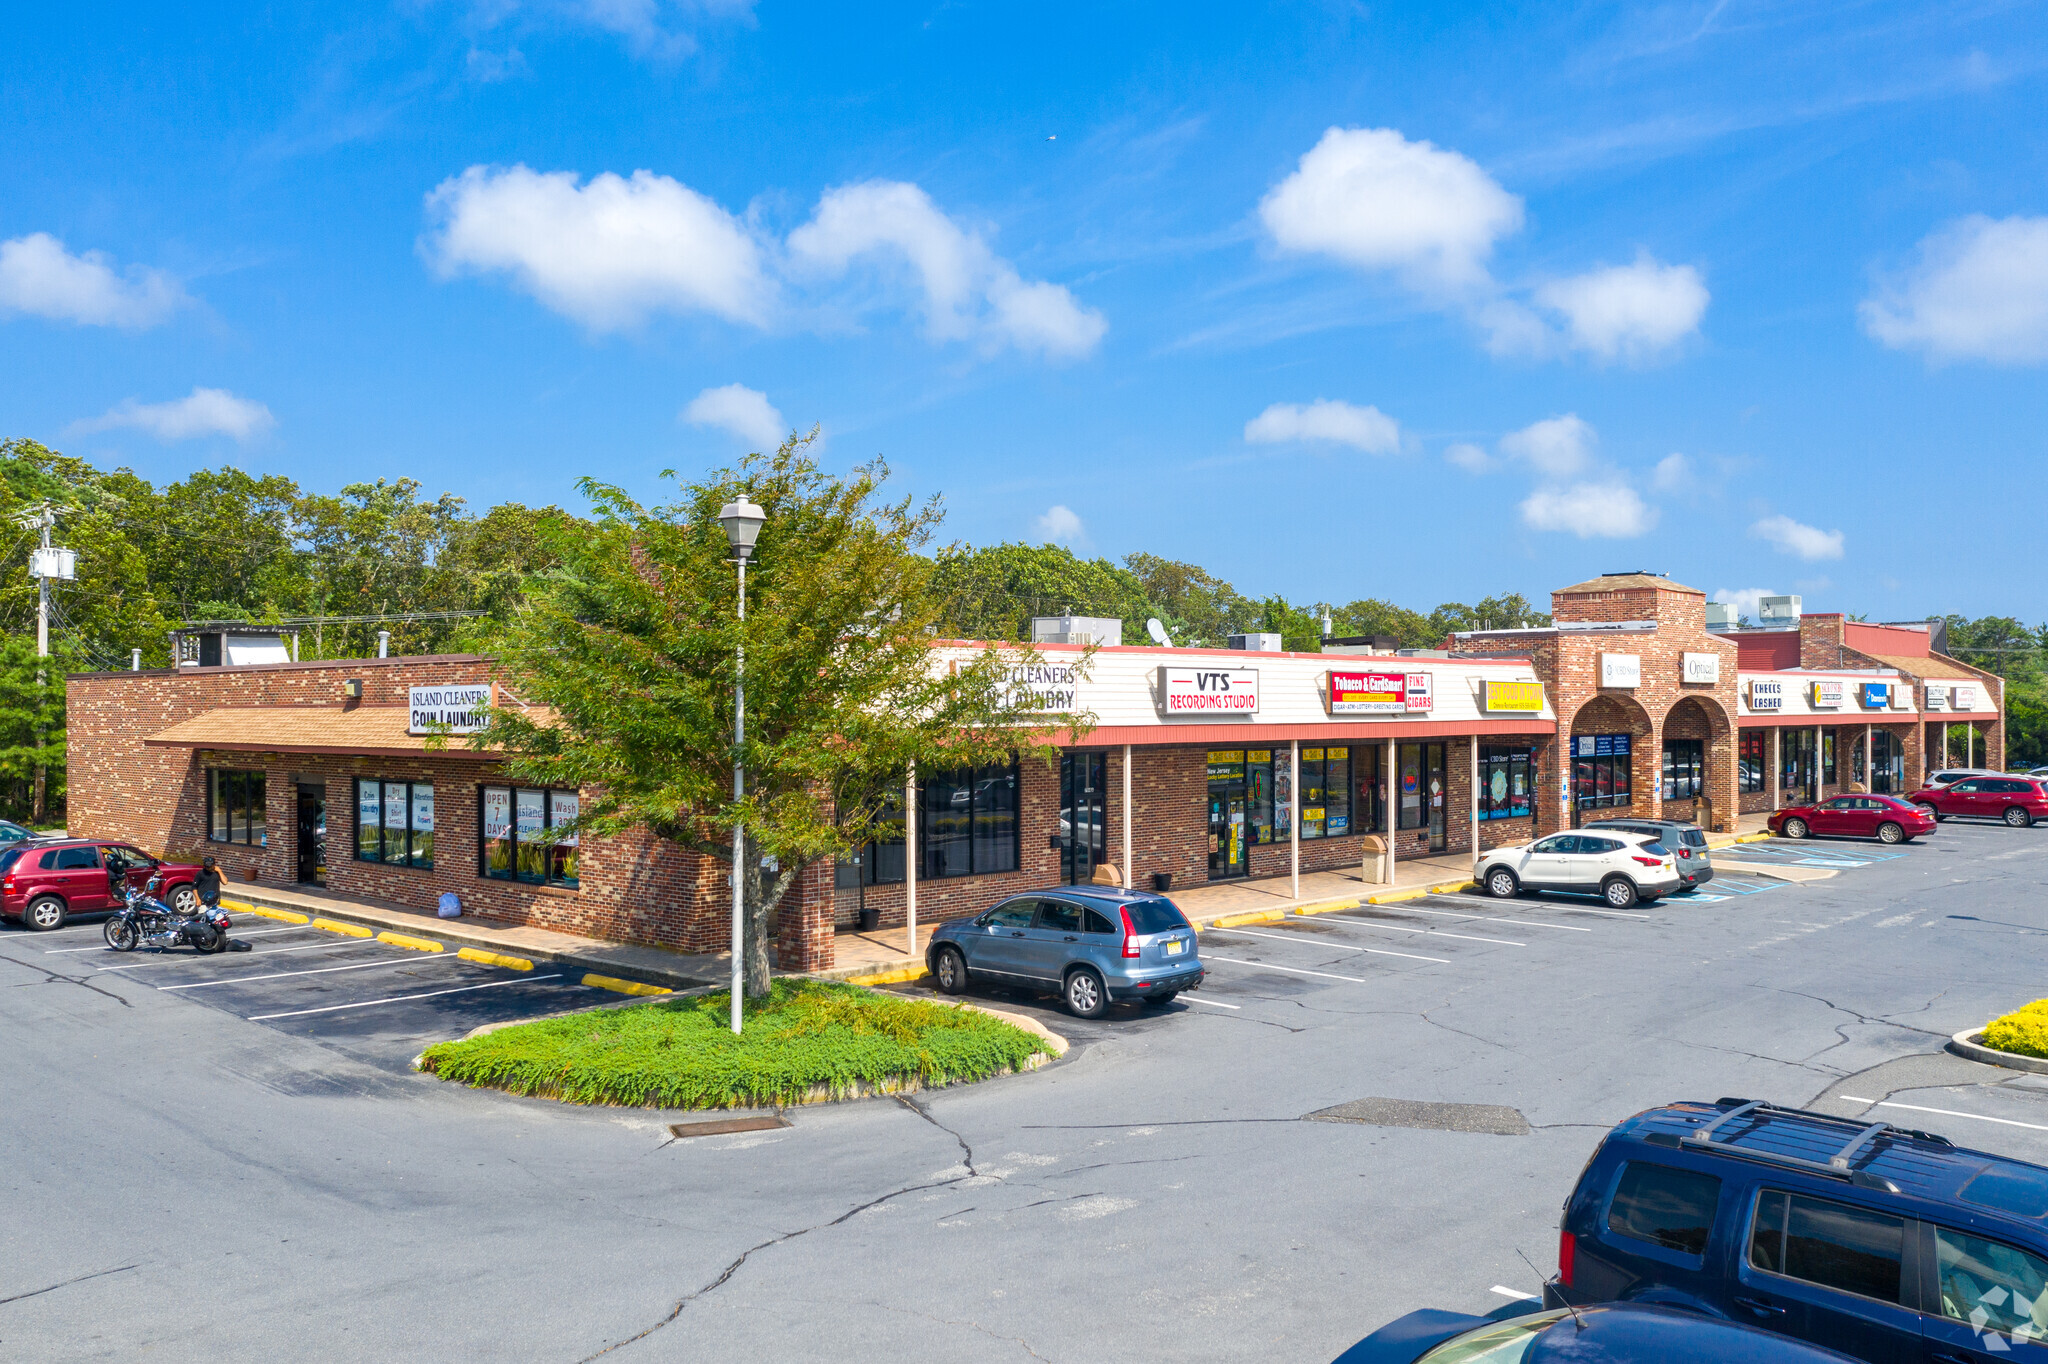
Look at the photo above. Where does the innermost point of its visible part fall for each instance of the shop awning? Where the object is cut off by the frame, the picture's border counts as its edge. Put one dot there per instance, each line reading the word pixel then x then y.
pixel 372 731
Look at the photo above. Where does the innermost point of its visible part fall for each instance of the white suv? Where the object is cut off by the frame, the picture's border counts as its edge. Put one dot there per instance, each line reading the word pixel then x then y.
pixel 1621 868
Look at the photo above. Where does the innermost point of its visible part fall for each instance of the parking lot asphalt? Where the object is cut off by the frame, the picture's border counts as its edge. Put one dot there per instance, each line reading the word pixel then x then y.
pixel 1189 1183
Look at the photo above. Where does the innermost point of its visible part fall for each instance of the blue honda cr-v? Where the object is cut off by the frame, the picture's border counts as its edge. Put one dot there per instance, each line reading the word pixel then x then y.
pixel 1891 1245
pixel 1091 944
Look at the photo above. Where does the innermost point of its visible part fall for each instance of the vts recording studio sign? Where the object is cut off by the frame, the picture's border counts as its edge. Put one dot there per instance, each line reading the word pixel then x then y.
pixel 1209 691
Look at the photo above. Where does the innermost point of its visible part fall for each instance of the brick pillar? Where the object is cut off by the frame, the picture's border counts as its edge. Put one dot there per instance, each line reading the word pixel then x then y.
pixel 803 940
pixel 1654 760
pixel 1724 773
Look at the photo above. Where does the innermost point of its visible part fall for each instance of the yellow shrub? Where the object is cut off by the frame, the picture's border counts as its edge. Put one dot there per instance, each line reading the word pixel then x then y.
pixel 2024 1031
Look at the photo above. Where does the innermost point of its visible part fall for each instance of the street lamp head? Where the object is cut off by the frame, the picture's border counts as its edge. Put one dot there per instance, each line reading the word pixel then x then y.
pixel 742 521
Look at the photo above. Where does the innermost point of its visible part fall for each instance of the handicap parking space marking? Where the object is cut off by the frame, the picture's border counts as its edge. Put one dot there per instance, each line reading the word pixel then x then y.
pixel 410 959
pixel 401 999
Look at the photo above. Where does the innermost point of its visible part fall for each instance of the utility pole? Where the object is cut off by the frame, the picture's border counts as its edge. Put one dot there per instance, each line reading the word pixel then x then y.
pixel 45 563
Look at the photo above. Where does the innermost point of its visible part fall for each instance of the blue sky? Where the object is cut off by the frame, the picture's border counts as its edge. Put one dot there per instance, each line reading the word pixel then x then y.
pixel 1338 301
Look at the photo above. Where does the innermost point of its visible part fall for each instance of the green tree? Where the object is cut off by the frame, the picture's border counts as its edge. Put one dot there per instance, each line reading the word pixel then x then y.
pixel 221 544
pixel 372 551
pixel 628 649
pixel 1197 608
pixel 993 592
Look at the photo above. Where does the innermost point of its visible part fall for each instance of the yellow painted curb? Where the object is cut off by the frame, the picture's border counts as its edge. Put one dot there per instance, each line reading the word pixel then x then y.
pixel 281 915
pixel 625 987
pixel 1256 916
pixel 494 958
pixel 334 926
pixel 895 977
pixel 1756 838
pixel 416 944
pixel 1330 906
pixel 1392 896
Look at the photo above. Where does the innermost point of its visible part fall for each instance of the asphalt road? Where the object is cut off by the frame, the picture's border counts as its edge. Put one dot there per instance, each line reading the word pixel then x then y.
pixel 186 1182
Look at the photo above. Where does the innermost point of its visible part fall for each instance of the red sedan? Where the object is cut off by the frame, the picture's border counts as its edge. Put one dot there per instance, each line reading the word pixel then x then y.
pixel 1888 819
pixel 2019 801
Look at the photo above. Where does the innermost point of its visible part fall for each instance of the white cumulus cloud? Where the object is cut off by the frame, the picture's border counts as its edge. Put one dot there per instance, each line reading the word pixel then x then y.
pixel 1808 542
pixel 1340 423
pixel 745 412
pixel 39 277
pixel 203 412
pixel 1628 312
pixel 1470 458
pixel 1372 198
pixel 1603 510
pixel 1979 291
pixel 1060 526
pixel 1672 473
pixel 1556 446
pixel 608 253
pixel 968 290
pixel 1744 599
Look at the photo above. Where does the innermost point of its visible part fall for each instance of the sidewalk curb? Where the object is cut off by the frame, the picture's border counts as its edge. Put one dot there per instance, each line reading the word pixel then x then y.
pixel 1963 1044
pixel 896 976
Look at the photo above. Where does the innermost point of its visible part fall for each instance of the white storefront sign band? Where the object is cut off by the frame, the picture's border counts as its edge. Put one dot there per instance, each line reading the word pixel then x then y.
pixel 1621 670
pixel 1702 667
pixel 456 709
pixel 1209 691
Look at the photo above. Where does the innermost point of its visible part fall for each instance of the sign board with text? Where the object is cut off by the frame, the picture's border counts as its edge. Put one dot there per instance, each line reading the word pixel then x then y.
pixel 1209 691
pixel 1937 696
pixel 1517 698
pixel 1766 693
pixel 1366 693
pixel 1826 695
pixel 455 709
pixel 1044 688
pixel 1963 697
pixel 1702 667
pixel 1876 695
pixel 1621 670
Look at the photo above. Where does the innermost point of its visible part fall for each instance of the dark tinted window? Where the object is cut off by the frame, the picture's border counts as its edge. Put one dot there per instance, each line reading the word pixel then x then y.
pixel 1654 849
pixel 1967 786
pixel 1599 845
pixel 1693 838
pixel 77 859
pixel 2016 788
pixel 10 857
pixel 47 860
pixel 1154 916
pixel 1059 917
pixel 1016 914
pixel 1830 1244
pixel 1098 922
pixel 1665 1206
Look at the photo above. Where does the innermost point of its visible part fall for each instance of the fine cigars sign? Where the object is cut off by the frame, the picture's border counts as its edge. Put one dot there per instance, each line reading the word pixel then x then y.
pixel 454 709
pixel 1209 691
pixel 1377 693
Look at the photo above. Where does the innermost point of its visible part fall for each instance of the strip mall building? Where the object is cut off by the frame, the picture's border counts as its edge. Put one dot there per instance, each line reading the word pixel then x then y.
pixel 1200 766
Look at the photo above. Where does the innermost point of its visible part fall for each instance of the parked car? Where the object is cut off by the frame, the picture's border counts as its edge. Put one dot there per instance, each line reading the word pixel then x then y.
pixel 1621 868
pixel 2019 801
pixel 1950 775
pixel 12 833
pixel 1091 944
pixel 1613 1333
pixel 45 882
pixel 1886 1243
pixel 1888 819
pixel 1687 841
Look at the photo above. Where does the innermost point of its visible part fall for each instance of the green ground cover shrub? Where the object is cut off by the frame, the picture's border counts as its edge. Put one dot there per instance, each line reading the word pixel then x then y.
pixel 806 1039
pixel 2024 1031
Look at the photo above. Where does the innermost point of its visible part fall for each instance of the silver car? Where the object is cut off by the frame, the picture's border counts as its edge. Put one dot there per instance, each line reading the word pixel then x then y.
pixel 1688 841
pixel 1620 868
pixel 1090 944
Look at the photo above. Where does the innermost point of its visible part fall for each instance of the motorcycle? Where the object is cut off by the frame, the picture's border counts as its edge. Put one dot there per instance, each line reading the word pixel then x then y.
pixel 145 921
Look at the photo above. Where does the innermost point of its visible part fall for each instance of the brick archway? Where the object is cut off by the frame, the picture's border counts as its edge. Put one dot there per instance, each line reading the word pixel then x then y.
pixel 1701 718
pixel 1610 713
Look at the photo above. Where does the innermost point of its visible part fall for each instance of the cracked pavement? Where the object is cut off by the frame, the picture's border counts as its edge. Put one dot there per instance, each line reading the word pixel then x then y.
pixel 1154 1195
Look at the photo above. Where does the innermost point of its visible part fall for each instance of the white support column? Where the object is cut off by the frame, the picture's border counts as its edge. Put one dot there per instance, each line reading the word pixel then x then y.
pixel 1869 772
pixel 1777 762
pixel 1970 744
pixel 1294 816
pixel 1475 807
pixel 1944 741
pixel 1393 808
pixel 1128 883
pixel 1820 771
pixel 910 858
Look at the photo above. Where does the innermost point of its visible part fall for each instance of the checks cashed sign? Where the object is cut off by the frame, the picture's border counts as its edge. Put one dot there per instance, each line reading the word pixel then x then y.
pixel 1209 691
pixel 455 709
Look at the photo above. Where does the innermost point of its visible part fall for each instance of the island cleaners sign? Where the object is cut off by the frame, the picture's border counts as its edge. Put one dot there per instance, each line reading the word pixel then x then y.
pixel 1044 688
pixel 1209 691
pixel 448 710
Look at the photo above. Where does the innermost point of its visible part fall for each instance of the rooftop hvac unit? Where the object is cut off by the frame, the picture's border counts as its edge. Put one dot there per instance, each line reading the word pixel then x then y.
pixel 1077 630
pixel 1720 616
pixel 1257 644
pixel 1778 611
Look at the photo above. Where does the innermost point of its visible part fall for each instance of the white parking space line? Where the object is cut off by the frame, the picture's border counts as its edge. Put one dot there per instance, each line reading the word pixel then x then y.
pixel 400 999
pixel 414 959
pixel 1514 1293
pixel 1408 907
pixel 1944 1112
pixel 1553 904
pixel 1396 928
pixel 1295 970
pixel 102 946
pixel 194 957
pixel 1214 1004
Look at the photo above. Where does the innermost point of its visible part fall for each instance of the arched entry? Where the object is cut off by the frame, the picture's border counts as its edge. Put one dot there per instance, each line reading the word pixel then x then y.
pixel 1610 765
pixel 1695 764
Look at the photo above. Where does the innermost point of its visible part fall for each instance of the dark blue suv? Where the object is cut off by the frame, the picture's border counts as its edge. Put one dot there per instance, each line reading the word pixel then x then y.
pixel 1891 1245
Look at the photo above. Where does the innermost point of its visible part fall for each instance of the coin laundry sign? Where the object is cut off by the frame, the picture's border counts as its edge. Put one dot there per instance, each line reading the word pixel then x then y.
pixel 448 710
pixel 1045 688
pixel 1209 691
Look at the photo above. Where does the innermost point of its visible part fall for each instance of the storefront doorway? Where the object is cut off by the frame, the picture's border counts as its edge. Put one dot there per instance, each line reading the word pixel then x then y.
pixel 1229 841
pixel 1887 763
pixel 312 835
pixel 1084 827
pixel 1421 790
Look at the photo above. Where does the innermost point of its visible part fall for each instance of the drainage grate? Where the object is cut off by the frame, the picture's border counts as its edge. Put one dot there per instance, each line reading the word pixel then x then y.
pixel 1496 1119
pixel 718 1127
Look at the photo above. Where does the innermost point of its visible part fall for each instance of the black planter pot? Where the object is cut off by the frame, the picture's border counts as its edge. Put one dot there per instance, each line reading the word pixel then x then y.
pixel 1162 881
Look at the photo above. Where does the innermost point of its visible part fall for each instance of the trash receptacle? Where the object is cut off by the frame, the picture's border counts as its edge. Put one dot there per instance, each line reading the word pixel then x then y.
pixel 1703 813
pixel 1373 861
pixel 1162 881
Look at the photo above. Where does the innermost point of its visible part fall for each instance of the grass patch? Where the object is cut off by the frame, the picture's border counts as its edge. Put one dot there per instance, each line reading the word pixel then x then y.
pixel 807 1040
pixel 2024 1031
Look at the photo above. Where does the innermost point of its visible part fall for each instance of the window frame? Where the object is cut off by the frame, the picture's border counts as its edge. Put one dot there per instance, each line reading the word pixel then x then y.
pixel 248 801
pixel 1642 1245
pixel 1752 770
pixel 1591 768
pixel 410 858
pixel 1507 757
pixel 1684 772
pixel 551 851
pixel 1909 1288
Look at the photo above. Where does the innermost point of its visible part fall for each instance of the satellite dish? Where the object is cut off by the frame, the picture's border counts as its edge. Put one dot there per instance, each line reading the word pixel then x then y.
pixel 1158 633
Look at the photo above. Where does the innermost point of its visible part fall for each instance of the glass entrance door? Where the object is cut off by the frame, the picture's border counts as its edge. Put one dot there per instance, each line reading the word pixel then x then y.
pixel 312 836
pixel 1084 832
pixel 1420 793
pixel 1887 763
pixel 1229 851
pixel 1439 802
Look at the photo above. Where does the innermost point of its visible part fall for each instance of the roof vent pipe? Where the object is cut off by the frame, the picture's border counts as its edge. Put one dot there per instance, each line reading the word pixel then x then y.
pixel 135 660
pixel 383 644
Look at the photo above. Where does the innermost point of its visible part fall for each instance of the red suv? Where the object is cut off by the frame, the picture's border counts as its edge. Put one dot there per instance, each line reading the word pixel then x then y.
pixel 2019 801
pixel 46 882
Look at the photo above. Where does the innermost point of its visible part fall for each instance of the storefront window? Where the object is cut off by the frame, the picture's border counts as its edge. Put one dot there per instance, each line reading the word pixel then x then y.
pixel 512 822
pixel 395 822
pixel 1797 765
pixel 234 807
pixel 1325 792
pixel 1369 810
pixel 1601 777
pixel 1755 760
pixel 1684 768
pixel 1506 782
pixel 966 826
